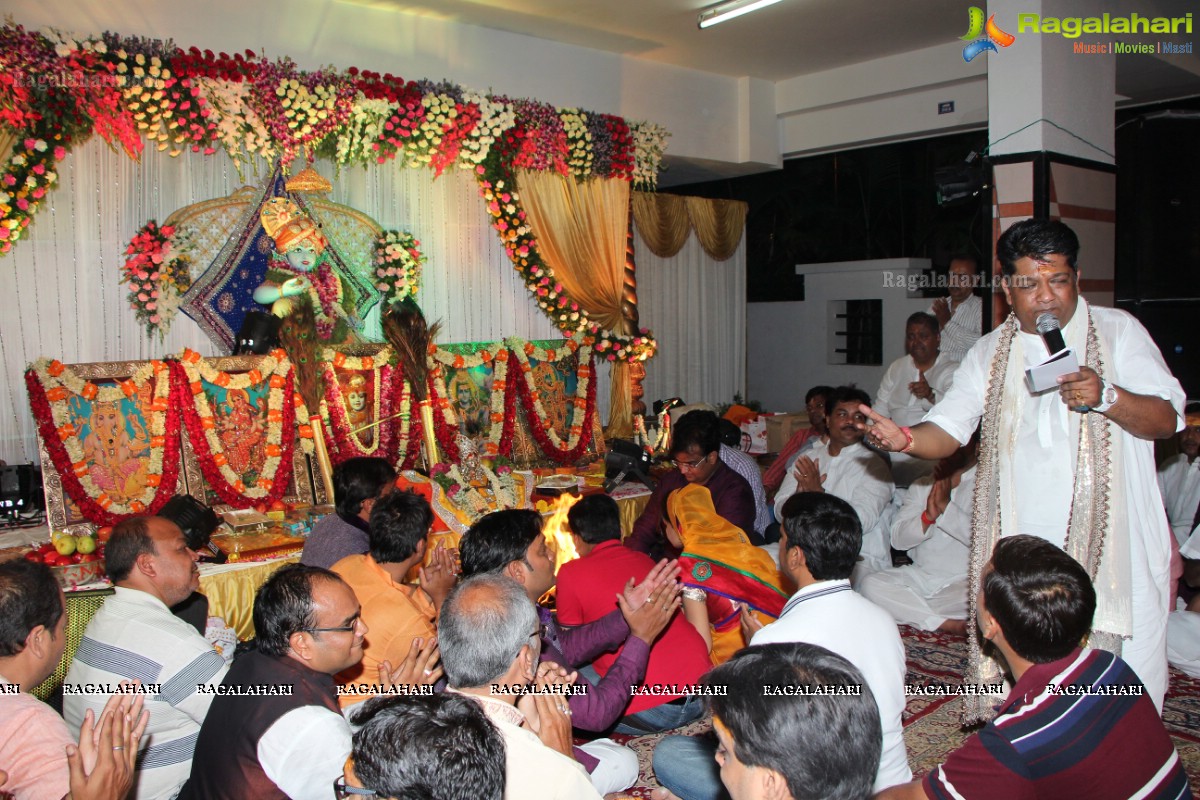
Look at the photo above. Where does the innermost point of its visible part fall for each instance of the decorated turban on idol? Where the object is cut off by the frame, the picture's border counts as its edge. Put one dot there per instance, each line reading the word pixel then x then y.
pixel 300 272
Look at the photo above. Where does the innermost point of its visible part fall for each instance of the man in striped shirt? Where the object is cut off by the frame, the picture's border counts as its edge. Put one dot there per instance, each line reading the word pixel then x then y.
pixel 1078 722
pixel 134 635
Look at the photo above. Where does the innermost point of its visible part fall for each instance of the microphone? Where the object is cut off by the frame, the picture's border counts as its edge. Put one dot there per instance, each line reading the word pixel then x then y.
pixel 1047 326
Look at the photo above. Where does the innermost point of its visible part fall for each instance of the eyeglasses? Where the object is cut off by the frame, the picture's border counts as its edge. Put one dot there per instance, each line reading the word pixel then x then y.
pixel 353 626
pixel 690 465
pixel 341 791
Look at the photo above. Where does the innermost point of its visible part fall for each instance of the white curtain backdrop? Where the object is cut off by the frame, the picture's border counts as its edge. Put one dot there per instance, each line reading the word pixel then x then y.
pixel 61 296
pixel 697 309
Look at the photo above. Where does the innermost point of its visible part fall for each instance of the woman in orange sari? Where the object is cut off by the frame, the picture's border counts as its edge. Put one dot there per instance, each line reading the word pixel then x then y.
pixel 721 571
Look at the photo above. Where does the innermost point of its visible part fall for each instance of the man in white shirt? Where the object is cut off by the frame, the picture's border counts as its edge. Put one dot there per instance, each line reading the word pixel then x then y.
pixel 134 635
pixel 960 315
pixel 491 638
pixel 845 468
pixel 1073 466
pixel 1179 479
pixel 934 526
pixel 818 551
pixel 911 385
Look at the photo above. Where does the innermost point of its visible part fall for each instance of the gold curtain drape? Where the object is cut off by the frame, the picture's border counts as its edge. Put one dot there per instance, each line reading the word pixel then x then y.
pixel 665 220
pixel 581 230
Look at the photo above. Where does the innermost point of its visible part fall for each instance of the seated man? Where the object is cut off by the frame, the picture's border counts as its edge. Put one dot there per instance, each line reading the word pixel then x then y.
pixel 587 588
pixel 495 668
pixel 845 468
pixel 818 551
pixel 960 315
pixel 814 404
pixel 397 612
pixel 911 385
pixel 743 464
pixel 695 451
pixel 35 745
pixel 776 742
pixel 439 747
pixel 934 526
pixel 357 484
pixel 134 636
pixel 1078 722
pixel 1179 480
pixel 275 730
pixel 511 543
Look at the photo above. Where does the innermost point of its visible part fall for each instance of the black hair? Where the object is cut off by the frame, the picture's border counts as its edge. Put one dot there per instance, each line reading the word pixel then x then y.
pixel 130 538
pixel 699 429
pixel 499 539
pixel 435 747
pixel 963 255
pixel 284 605
pixel 596 518
pixel 399 522
pixel 922 318
pixel 29 596
pixel 1040 597
pixel 358 479
pixel 817 391
pixel 1037 239
pixel 729 433
pixel 824 745
pixel 827 529
pixel 845 394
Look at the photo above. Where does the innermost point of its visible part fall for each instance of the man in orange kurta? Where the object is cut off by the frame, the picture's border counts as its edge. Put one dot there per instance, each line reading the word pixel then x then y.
pixel 396 612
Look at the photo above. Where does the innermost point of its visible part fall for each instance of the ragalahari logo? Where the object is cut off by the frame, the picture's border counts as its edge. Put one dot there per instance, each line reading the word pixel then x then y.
pixel 994 36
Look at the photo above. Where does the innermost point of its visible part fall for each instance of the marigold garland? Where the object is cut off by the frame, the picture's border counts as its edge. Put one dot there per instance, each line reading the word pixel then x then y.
pixel 347 443
pixel 580 435
pixel 193 371
pixel 51 384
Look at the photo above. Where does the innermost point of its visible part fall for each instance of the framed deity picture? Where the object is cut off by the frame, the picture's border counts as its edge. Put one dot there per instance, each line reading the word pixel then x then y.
pixel 108 441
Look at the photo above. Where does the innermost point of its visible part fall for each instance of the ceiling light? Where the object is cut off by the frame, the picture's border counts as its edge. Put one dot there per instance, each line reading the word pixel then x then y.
pixel 726 11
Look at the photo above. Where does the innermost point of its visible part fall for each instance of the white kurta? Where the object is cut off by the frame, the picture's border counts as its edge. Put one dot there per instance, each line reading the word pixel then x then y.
pixel 857 475
pixel 897 403
pixel 1179 482
pixel 1043 485
pixel 933 588
pixel 962 331
pixel 834 616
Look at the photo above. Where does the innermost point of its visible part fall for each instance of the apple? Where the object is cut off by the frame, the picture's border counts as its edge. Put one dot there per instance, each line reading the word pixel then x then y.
pixel 102 534
pixel 46 548
pixel 34 556
pixel 65 545
pixel 85 545
pixel 88 558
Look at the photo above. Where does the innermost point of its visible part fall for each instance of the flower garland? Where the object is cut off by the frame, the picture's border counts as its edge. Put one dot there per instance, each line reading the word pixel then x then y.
pixel 51 385
pixel 397 265
pixel 346 443
pixel 57 90
pixel 158 271
pixel 502 401
pixel 584 402
pixel 192 371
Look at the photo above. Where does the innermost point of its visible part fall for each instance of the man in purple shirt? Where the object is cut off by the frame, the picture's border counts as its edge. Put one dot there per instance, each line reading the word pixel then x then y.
pixel 695 451
pixel 357 484
pixel 511 543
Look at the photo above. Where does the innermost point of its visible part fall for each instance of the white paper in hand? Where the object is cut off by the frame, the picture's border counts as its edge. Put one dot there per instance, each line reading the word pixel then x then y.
pixel 1044 376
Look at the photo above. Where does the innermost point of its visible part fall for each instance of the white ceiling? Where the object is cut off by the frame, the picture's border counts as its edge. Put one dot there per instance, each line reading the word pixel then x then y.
pixel 793 37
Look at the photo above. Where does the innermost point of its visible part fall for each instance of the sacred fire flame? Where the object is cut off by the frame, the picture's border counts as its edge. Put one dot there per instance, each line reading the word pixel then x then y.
pixel 558 532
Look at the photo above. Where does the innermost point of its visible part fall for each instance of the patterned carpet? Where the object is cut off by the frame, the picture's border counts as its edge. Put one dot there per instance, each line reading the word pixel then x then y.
pixel 931 724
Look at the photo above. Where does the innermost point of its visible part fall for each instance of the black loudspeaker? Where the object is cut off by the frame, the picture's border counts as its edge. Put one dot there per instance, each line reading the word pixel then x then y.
pixel 20 490
pixel 626 460
pixel 197 521
pixel 258 335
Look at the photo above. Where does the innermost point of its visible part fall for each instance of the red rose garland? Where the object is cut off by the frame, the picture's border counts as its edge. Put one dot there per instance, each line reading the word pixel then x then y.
pixel 538 426
pixel 88 506
pixel 233 494
pixel 346 444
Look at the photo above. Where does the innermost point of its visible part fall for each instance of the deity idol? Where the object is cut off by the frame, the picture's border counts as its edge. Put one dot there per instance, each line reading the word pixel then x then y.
pixel 360 416
pixel 300 271
pixel 115 457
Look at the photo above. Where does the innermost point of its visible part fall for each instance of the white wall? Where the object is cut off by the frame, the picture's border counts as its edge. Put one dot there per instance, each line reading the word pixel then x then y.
pixel 789 341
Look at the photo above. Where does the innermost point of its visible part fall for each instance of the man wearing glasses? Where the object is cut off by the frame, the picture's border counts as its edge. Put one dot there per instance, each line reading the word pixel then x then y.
pixel 274 729
pixel 695 452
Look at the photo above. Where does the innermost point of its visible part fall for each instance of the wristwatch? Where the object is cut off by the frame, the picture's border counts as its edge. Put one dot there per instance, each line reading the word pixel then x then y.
pixel 1108 397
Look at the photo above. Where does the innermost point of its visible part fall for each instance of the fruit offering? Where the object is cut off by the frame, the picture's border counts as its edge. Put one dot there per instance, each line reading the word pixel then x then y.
pixel 65 548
